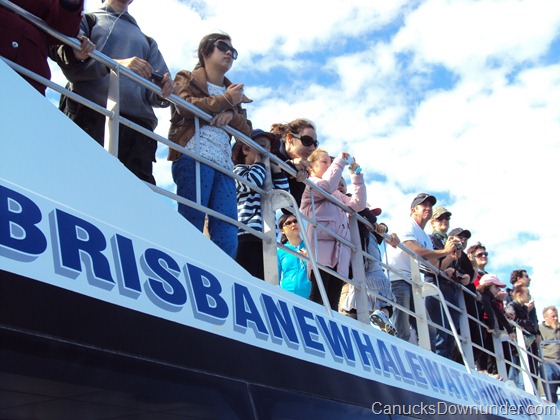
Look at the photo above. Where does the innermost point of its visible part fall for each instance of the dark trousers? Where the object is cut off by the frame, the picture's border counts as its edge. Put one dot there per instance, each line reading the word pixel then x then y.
pixel 249 255
pixel 333 286
pixel 136 151
pixel 474 310
pixel 443 343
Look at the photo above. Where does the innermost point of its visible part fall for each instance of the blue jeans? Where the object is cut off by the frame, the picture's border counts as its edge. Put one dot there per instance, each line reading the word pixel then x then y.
pixel 552 373
pixel 403 296
pixel 514 373
pixel 217 192
pixel 443 343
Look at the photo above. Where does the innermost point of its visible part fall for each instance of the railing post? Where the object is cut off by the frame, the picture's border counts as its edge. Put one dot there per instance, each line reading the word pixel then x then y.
pixel 499 354
pixel 270 256
pixel 358 273
pixel 524 361
pixel 465 331
pixel 112 124
pixel 422 329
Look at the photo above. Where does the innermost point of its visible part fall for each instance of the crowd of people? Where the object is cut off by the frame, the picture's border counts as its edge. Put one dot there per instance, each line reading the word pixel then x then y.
pixel 491 307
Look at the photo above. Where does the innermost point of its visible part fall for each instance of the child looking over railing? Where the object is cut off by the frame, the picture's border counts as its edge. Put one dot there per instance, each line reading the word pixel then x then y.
pixel 249 166
pixel 328 251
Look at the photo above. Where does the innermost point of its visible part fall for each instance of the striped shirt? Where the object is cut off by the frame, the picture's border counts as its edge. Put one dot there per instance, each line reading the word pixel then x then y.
pixel 249 201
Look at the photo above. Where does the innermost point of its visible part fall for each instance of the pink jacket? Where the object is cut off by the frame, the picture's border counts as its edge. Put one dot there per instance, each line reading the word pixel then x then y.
pixel 330 252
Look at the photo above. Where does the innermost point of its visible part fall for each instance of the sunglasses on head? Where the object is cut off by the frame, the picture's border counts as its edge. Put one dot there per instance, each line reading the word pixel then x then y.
pixel 307 141
pixel 290 222
pixel 225 47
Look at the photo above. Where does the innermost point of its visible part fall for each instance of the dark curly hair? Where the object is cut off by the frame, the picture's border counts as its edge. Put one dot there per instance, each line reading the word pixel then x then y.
pixel 515 274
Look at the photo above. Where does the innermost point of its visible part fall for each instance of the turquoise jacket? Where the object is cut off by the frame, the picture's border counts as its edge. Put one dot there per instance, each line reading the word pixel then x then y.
pixel 292 271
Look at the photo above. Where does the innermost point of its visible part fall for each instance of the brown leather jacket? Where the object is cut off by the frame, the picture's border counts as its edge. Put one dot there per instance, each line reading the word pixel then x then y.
pixel 193 88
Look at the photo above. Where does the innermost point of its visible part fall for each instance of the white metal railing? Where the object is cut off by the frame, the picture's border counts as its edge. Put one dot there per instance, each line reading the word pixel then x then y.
pixel 273 200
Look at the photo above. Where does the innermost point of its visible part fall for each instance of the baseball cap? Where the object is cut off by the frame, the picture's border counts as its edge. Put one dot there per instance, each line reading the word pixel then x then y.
pixel 491 279
pixel 460 232
pixel 420 198
pixel 440 211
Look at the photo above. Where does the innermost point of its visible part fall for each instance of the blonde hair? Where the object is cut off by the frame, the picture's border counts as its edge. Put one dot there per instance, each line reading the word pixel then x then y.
pixel 315 155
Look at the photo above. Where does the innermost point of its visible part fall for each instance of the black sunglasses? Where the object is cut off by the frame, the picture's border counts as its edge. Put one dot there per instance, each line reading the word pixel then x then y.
pixel 290 222
pixel 307 141
pixel 225 47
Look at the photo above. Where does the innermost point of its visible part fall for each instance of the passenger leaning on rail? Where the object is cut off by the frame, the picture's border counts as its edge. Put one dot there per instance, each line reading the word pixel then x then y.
pixel 419 242
pixel 495 319
pixel 117 35
pixel 207 88
pixel 478 256
pixel 27 45
pixel 525 316
pixel 464 266
pixel 380 309
pixel 443 343
pixel 298 141
pixel 249 166
pixel 327 250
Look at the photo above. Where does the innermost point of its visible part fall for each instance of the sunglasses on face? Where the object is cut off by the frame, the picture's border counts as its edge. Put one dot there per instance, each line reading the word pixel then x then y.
pixel 481 254
pixel 290 222
pixel 225 47
pixel 307 141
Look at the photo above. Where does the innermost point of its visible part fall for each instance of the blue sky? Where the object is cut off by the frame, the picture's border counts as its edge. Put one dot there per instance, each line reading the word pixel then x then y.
pixel 458 98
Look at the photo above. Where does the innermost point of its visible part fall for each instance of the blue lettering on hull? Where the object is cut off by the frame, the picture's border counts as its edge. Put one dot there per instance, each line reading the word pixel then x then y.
pixel 111 266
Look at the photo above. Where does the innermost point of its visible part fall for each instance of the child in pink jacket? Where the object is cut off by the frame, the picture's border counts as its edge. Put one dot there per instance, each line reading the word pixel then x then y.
pixel 327 173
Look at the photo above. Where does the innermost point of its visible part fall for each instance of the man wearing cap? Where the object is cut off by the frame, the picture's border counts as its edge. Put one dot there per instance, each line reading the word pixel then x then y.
pixel 418 241
pixel 460 272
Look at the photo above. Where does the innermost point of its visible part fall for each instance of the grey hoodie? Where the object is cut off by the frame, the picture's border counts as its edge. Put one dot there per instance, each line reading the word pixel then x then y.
pixel 117 35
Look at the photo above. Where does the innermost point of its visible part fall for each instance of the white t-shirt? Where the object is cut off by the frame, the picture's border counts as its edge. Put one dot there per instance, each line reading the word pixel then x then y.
pixel 399 259
pixel 214 142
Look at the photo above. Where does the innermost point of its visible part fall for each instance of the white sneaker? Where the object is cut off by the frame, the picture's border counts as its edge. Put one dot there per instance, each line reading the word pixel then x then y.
pixel 379 320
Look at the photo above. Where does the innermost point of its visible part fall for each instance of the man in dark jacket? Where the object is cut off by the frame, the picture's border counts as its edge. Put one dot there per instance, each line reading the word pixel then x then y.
pixel 27 45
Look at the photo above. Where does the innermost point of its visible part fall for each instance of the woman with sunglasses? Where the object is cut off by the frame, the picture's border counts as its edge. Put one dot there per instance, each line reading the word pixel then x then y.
pixel 479 258
pixel 208 88
pixel 292 271
pixel 298 141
